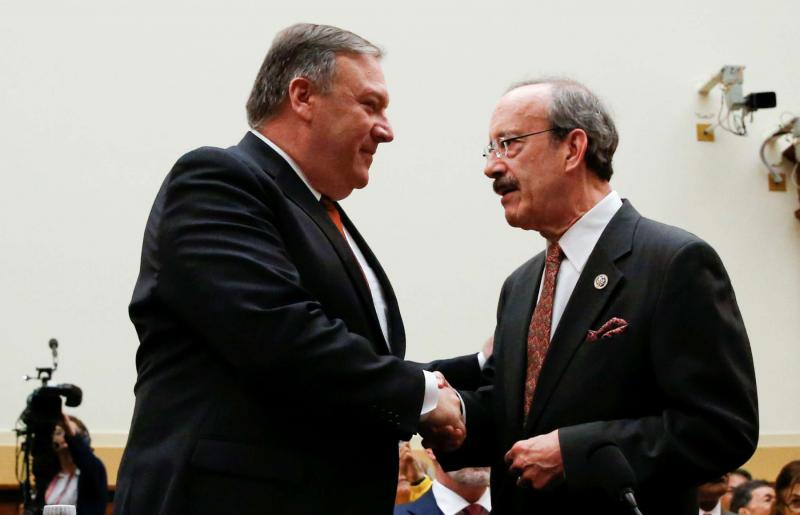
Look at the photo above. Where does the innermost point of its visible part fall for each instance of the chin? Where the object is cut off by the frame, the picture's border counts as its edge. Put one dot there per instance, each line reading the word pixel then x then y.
pixel 511 218
pixel 520 215
pixel 361 181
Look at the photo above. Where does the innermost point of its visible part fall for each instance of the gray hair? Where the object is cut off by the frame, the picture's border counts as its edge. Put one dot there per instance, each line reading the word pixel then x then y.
pixel 574 106
pixel 302 50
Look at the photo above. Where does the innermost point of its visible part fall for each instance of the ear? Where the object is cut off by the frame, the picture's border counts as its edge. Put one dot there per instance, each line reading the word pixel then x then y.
pixel 577 142
pixel 301 97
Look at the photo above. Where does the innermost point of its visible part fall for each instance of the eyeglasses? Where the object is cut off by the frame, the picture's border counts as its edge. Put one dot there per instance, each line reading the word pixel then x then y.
pixel 500 147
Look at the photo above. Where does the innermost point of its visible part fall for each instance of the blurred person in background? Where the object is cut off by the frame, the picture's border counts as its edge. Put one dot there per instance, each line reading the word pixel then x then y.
pixel 787 488
pixel 735 478
pixel 412 481
pixel 709 494
pixel 74 475
pixel 753 498
pixel 458 492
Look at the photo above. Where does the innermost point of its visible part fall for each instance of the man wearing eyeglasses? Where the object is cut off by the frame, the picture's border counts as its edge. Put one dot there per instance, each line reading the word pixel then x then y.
pixel 623 332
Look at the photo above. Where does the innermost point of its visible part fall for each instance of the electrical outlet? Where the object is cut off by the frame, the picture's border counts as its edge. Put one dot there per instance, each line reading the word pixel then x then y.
pixel 777 186
pixel 704 132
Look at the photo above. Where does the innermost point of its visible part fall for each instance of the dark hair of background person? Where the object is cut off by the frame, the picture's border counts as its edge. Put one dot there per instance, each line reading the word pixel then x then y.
pixel 50 463
pixel 743 493
pixel 93 479
pixel 82 429
pixel 787 477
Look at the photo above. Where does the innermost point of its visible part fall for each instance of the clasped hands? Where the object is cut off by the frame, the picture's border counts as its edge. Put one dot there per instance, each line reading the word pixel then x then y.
pixel 443 428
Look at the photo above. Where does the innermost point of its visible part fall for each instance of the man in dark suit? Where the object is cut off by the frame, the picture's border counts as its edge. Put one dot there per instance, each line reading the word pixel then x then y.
pixel 270 370
pixel 625 332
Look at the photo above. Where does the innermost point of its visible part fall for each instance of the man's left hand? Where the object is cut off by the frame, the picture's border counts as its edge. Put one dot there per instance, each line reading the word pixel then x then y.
pixel 537 461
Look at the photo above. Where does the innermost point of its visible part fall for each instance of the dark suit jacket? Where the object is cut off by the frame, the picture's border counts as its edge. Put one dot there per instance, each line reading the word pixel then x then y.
pixel 264 381
pixel 676 392
pixel 425 505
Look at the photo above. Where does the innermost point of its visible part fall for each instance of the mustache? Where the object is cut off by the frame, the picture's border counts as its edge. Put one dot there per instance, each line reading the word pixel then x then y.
pixel 504 183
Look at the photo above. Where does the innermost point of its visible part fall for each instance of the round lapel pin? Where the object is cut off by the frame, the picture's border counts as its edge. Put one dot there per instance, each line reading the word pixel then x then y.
pixel 601 281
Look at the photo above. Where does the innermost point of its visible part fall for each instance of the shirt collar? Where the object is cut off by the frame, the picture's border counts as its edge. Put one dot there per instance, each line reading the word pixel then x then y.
pixel 450 503
pixel 289 160
pixel 579 240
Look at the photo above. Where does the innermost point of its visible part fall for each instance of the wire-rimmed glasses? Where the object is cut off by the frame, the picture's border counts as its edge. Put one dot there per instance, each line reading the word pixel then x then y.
pixel 499 148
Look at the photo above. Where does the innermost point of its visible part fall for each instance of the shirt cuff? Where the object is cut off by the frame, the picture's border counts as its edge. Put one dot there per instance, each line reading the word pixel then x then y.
pixel 431 393
pixel 481 360
pixel 463 408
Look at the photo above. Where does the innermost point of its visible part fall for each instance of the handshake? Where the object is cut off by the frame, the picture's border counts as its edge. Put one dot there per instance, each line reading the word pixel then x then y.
pixel 443 428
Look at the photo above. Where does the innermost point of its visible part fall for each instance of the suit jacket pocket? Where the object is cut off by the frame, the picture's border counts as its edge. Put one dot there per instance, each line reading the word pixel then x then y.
pixel 614 341
pixel 240 459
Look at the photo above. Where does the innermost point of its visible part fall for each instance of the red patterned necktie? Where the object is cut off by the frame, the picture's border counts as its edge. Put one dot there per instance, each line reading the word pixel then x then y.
pixel 539 331
pixel 473 509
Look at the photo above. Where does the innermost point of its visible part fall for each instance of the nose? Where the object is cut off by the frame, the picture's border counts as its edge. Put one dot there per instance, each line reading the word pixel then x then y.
pixel 495 167
pixel 382 131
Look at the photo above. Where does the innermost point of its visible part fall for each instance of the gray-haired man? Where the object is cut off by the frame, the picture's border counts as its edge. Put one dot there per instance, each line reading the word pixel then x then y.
pixel 624 333
pixel 270 370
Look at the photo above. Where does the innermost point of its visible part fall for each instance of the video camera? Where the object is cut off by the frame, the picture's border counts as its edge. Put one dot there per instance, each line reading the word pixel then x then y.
pixel 44 404
pixel 35 430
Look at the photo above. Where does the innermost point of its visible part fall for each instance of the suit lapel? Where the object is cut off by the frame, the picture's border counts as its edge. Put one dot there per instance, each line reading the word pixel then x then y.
pixel 349 261
pixel 294 188
pixel 520 302
pixel 585 305
pixel 397 335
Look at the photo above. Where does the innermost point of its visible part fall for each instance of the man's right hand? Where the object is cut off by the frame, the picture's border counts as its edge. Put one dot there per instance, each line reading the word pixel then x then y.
pixel 444 428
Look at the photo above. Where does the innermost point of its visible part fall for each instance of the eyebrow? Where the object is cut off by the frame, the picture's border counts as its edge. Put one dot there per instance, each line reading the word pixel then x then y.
pixel 505 134
pixel 382 96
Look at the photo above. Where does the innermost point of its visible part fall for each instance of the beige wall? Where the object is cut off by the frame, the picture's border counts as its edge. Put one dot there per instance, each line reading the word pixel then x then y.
pixel 98 100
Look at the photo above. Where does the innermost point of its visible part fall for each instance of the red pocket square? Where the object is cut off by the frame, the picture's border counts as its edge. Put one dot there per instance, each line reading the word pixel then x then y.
pixel 611 328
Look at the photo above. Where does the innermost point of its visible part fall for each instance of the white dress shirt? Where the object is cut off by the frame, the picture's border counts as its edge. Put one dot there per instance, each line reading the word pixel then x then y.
pixel 577 244
pixel 450 503
pixel 63 489
pixel 378 298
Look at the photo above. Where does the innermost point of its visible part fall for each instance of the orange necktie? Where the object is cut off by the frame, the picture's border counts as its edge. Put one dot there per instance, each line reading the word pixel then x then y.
pixel 333 214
